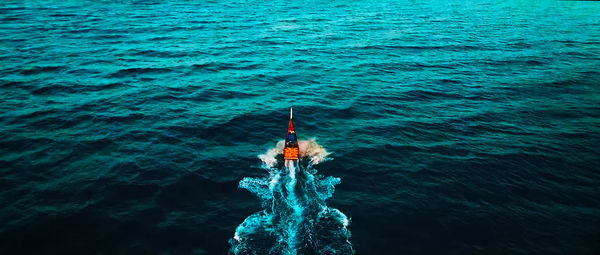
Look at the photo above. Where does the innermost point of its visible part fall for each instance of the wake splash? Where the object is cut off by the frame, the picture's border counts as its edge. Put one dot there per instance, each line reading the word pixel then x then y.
pixel 295 218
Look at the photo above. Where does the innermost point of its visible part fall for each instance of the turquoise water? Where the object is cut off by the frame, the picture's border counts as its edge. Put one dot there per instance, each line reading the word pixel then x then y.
pixel 467 127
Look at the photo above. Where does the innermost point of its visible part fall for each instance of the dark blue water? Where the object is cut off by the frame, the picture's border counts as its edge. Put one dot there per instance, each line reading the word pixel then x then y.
pixel 453 128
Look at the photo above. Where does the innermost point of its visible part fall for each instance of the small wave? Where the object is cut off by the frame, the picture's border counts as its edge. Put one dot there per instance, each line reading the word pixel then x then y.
pixel 162 54
pixel 10 18
pixel 14 84
pixel 451 81
pixel 109 36
pixel 137 71
pixel 184 28
pixel 81 31
pixel 42 69
pixel 53 89
pixel 520 45
pixel 452 47
pixel 74 88
pixel 83 71
pixel 18 143
pixel 222 66
pixel 37 114
pixel 103 86
pixel 63 15
pixel 12 8
pixel 96 61
pixel 120 118
pixel 428 95
pixel 216 95
pixel 162 38
pixel 517 62
pixel 424 65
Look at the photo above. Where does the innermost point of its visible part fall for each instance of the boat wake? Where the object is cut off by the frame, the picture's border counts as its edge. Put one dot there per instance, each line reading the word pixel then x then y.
pixel 295 218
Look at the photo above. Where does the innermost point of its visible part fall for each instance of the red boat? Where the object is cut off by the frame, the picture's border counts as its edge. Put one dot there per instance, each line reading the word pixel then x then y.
pixel 291 151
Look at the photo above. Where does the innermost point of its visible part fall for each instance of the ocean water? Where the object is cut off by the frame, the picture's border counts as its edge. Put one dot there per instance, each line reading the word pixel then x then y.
pixel 136 127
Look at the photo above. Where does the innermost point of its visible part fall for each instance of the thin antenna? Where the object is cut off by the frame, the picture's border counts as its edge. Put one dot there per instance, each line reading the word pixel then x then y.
pixel 290 113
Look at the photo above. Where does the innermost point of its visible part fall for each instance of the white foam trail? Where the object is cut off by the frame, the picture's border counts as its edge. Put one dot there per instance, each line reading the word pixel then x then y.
pixel 292 229
pixel 295 218
pixel 290 165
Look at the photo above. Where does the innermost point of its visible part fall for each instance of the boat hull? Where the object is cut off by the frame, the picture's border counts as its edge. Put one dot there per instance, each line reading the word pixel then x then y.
pixel 291 150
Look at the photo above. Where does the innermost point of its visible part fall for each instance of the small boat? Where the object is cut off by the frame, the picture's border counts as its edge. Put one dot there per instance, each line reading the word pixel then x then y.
pixel 291 151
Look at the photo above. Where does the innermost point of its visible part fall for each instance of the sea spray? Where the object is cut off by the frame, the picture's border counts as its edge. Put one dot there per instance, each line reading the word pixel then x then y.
pixel 295 218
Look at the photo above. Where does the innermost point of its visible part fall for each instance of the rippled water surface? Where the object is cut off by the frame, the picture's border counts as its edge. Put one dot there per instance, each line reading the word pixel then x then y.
pixel 454 128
